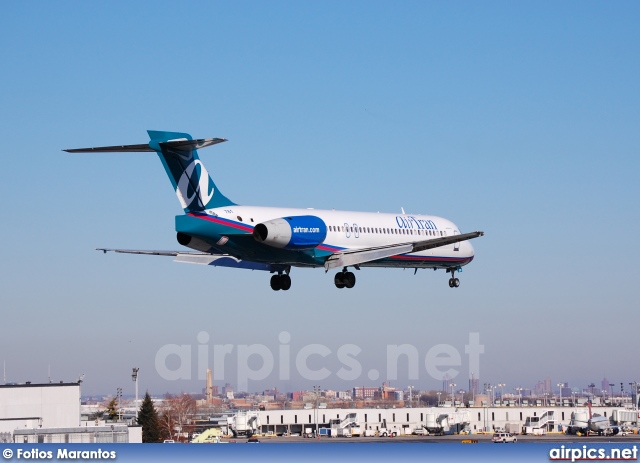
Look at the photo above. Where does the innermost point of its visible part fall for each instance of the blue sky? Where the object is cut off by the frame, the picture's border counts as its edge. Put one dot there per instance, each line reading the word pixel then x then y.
pixel 516 118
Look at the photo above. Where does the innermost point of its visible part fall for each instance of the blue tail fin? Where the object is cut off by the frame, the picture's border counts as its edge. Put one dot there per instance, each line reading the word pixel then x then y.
pixel 191 181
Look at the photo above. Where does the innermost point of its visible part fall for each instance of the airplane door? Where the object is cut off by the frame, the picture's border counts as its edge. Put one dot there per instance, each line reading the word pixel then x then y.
pixel 456 245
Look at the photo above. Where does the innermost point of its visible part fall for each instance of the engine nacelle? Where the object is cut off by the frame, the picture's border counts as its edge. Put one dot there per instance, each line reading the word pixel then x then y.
pixel 295 233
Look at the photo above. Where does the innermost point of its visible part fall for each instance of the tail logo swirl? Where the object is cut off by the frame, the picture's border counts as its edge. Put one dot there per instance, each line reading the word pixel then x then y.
pixel 191 177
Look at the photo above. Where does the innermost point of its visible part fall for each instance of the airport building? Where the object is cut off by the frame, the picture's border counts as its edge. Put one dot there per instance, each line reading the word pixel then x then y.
pixel 50 413
pixel 539 420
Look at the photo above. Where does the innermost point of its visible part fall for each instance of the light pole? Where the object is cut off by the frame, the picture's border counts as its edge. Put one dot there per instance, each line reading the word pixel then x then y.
pixel 134 378
pixel 119 395
pixel 560 387
pixel 519 389
pixel 316 390
pixel 438 394
pixel 453 399
pixel 501 386
pixel 634 388
pixel 410 396
pixel 491 388
pixel 611 396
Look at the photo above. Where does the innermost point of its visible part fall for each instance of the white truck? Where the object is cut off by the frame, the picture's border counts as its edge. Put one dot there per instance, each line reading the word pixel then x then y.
pixel 512 428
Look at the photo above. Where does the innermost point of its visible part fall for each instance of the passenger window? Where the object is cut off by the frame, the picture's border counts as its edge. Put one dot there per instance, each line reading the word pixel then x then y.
pixel 239 218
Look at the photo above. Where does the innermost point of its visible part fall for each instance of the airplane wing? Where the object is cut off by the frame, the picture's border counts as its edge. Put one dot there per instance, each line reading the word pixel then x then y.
pixel 360 256
pixel 202 258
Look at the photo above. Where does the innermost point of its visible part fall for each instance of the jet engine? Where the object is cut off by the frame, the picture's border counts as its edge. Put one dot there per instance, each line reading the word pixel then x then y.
pixel 294 233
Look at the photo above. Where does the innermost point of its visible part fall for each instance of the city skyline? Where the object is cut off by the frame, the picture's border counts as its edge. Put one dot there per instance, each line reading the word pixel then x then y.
pixel 518 119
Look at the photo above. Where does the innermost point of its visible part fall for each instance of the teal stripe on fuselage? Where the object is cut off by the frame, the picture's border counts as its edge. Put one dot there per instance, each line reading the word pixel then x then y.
pixel 241 243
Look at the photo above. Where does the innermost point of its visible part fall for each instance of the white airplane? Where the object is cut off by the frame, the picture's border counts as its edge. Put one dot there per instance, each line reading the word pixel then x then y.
pixel 274 239
pixel 597 424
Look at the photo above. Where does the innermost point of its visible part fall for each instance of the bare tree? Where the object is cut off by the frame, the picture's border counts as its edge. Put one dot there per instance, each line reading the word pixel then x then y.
pixel 177 411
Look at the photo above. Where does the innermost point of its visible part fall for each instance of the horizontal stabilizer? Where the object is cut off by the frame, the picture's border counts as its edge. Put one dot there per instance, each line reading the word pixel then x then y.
pixel 180 145
pixel 136 251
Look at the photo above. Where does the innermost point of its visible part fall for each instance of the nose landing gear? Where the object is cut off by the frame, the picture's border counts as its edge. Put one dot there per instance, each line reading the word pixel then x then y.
pixel 453 281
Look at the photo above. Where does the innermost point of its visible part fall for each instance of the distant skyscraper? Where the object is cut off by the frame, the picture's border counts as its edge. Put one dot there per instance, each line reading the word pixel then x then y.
pixel 538 389
pixel 446 383
pixel 474 385
pixel 605 386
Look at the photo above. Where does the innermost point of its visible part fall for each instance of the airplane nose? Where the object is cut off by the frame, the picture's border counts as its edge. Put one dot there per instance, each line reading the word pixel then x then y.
pixel 468 249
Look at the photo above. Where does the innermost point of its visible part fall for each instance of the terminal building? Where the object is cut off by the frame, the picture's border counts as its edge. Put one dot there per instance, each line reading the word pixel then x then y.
pixel 50 413
pixel 538 420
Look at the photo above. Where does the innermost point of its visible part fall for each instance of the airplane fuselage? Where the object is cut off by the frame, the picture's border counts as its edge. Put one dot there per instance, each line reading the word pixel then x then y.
pixel 230 230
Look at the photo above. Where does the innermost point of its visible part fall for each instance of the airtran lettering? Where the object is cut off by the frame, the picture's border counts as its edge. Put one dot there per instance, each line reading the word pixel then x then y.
pixel 411 222
pixel 306 230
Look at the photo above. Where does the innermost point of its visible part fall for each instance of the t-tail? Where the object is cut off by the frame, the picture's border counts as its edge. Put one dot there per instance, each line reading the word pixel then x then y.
pixel 178 153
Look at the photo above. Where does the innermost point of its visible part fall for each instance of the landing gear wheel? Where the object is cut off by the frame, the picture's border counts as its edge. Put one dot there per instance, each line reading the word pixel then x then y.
pixel 453 281
pixel 275 283
pixel 285 282
pixel 349 279
pixel 339 280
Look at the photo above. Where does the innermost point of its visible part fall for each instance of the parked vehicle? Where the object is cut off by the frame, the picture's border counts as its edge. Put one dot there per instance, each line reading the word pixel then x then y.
pixel 512 428
pixel 503 437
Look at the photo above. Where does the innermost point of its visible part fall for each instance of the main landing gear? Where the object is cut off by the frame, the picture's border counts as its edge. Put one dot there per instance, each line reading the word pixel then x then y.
pixel 453 282
pixel 344 279
pixel 281 281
